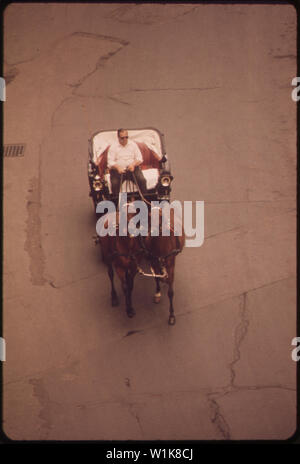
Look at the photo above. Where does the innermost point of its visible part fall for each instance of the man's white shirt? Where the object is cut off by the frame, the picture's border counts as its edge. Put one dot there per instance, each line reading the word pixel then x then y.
pixel 123 156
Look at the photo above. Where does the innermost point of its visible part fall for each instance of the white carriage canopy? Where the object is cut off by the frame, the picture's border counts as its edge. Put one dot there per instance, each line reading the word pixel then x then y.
pixel 148 136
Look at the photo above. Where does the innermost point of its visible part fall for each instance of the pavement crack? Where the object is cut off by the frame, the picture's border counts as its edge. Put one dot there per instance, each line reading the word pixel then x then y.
pixel 241 331
pixel 91 35
pixel 28 60
pixel 75 281
pixel 261 387
pixel 174 89
pixel 132 332
pixel 279 57
pixel 100 63
pixel 136 416
pixel 119 101
pixel 102 60
pixel 223 232
pixel 148 15
pixel 240 334
pixel 10 75
pixel 57 42
pixel 218 419
pixel 62 102
pixel 230 297
pixel 187 12
pixel 33 243
pixel 269 283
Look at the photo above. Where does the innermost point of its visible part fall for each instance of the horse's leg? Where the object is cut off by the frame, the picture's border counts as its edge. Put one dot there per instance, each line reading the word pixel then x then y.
pixel 130 279
pixel 170 270
pixel 172 318
pixel 114 296
pixel 105 246
pixel 127 285
pixel 157 295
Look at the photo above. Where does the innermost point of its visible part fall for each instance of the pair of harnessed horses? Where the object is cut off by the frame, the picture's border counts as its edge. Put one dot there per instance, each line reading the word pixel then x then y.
pixel 125 254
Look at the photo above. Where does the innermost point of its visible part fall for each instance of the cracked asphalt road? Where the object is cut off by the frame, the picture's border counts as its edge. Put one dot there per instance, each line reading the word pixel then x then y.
pixel 216 79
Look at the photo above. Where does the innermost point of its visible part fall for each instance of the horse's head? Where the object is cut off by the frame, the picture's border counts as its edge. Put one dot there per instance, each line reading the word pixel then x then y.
pixel 159 242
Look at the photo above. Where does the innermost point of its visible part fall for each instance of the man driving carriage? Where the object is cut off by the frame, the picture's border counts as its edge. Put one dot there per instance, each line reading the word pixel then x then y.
pixel 136 165
pixel 123 161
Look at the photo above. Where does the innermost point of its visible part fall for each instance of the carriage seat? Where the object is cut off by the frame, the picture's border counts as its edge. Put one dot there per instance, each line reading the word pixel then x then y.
pixel 150 167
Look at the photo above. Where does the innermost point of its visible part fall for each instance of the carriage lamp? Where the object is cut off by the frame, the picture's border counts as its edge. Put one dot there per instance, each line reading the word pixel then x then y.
pixel 97 184
pixel 165 181
pixel 92 168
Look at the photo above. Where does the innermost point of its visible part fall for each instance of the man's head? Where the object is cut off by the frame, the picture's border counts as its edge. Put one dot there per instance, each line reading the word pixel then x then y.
pixel 123 136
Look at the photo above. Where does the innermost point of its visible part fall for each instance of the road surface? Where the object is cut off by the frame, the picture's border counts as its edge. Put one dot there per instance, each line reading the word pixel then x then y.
pixel 216 79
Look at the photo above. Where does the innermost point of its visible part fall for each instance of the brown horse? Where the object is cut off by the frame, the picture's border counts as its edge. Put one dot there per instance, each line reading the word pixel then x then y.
pixel 125 254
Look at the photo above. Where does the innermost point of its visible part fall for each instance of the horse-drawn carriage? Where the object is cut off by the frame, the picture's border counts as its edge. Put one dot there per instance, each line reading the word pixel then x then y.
pixel 155 166
pixel 126 253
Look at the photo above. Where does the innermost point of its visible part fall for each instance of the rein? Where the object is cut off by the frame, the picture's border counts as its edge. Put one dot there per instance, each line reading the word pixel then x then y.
pixel 139 190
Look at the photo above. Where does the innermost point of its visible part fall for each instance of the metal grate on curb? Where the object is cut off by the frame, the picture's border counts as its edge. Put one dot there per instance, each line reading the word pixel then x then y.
pixel 14 150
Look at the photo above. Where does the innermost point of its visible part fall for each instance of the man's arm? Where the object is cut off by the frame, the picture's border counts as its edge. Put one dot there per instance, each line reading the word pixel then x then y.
pixel 138 158
pixel 111 161
pixel 118 168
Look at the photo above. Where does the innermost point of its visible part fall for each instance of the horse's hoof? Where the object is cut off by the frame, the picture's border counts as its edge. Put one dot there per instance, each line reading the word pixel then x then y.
pixel 131 312
pixel 172 320
pixel 156 299
pixel 115 300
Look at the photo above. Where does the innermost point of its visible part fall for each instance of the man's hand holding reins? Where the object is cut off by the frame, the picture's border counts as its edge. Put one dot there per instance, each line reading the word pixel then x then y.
pixel 133 165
